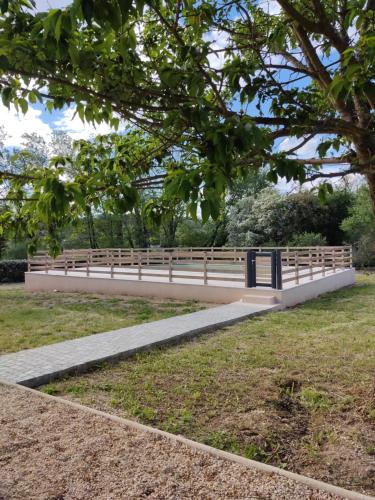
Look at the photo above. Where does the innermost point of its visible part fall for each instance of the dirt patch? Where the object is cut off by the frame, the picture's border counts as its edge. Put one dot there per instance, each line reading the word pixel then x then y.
pixel 50 450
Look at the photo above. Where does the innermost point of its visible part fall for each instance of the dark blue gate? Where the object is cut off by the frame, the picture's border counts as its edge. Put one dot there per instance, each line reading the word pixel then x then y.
pixel 275 264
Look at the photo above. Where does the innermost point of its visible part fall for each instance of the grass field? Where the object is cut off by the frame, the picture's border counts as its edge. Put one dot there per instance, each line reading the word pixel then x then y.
pixel 293 388
pixel 34 319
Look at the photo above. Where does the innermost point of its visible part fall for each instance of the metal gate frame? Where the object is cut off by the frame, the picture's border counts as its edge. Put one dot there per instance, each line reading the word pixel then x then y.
pixel 251 270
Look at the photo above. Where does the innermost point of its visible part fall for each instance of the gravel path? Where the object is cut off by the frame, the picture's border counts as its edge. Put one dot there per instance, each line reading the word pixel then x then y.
pixel 51 450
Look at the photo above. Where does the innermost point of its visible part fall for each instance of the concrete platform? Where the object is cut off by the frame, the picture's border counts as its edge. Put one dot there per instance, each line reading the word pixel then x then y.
pixel 219 292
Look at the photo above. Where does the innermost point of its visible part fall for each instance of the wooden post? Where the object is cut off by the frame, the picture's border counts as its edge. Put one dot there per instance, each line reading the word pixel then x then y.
pixel 119 257
pixel 139 266
pixel 351 257
pixel 205 268
pixel 310 264
pixel 323 262
pixel 148 256
pixel 65 265
pixel 46 263
pixel 112 263
pixel 334 260
pixel 170 267
pixel 296 267
pixel 88 263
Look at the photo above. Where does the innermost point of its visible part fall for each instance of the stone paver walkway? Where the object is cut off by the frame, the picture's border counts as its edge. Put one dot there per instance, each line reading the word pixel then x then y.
pixel 38 366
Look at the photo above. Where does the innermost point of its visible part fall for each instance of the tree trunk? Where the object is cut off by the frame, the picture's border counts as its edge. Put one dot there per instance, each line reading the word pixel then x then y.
pixel 371 183
pixel 91 228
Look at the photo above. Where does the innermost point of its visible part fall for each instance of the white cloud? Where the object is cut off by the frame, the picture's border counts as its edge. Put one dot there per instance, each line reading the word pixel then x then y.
pixel 272 7
pixel 16 124
pixel 44 5
pixel 218 41
pixel 73 125
pixel 308 150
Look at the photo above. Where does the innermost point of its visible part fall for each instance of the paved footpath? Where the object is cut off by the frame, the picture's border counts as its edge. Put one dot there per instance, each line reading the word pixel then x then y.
pixel 38 366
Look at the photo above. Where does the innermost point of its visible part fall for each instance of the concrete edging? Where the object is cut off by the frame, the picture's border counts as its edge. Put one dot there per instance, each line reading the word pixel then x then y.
pixel 312 483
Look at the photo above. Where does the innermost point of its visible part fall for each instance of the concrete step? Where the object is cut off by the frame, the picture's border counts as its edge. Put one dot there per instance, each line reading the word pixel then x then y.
pixel 259 299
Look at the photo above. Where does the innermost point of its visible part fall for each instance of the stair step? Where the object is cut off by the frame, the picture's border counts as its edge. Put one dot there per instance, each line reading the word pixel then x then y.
pixel 259 299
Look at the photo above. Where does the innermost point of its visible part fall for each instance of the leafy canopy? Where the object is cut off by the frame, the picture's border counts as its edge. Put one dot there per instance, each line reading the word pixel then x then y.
pixel 209 112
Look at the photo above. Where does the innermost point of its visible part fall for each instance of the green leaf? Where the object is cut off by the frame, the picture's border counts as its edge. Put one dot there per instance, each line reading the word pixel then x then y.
pixel 74 54
pixel 58 27
pixel 206 210
pixel 23 105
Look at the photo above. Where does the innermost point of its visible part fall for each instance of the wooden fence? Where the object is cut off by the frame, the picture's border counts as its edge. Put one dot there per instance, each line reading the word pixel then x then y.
pixel 225 264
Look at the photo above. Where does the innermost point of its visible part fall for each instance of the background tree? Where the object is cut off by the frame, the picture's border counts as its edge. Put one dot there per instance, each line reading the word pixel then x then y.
pixel 272 218
pixel 359 228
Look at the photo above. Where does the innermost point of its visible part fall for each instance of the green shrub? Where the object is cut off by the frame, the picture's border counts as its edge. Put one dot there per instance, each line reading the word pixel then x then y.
pixel 307 240
pixel 16 251
pixel 12 271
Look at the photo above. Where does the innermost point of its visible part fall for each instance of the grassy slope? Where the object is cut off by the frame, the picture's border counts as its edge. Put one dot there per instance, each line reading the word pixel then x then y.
pixel 291 388
pixel 33 319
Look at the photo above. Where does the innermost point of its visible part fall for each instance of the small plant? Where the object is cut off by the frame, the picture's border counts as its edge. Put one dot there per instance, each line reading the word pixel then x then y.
pixel 251 451
pixel 50 389
pixel 146 414
pixel 223 441
pixel 371 413
pixel 76 389
pixel 314 399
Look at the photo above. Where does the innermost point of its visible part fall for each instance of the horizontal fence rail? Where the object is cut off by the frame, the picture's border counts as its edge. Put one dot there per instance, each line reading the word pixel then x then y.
pixel 225 264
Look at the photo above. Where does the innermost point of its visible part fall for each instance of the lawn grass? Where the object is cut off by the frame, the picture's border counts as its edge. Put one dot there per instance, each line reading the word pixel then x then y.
pixel 292 388
pixel 34 319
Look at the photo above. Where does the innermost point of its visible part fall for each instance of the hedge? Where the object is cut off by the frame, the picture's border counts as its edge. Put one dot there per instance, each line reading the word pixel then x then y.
pixel 12 271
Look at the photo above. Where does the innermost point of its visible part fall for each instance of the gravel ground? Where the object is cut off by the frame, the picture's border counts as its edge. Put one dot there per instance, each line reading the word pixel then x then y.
pixel 51 450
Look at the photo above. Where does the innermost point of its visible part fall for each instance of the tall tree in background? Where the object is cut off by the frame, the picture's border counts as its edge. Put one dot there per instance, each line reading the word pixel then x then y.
pixel 223 82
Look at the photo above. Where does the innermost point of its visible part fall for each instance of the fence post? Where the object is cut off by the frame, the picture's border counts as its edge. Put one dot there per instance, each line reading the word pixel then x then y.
pixel 46 263
pixel 296 267
pixel 350 256
pixel 279 272
pixel 88 263
pixel 310 264
pixel 112 263
pixel 273 269
pixel 139 266
pixel 170 267
pixel 334 260
pixel 205 268
pixel 65 265
pixel 250 269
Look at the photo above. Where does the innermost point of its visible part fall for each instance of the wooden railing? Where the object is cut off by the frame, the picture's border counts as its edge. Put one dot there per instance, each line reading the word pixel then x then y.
pixel 226 264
